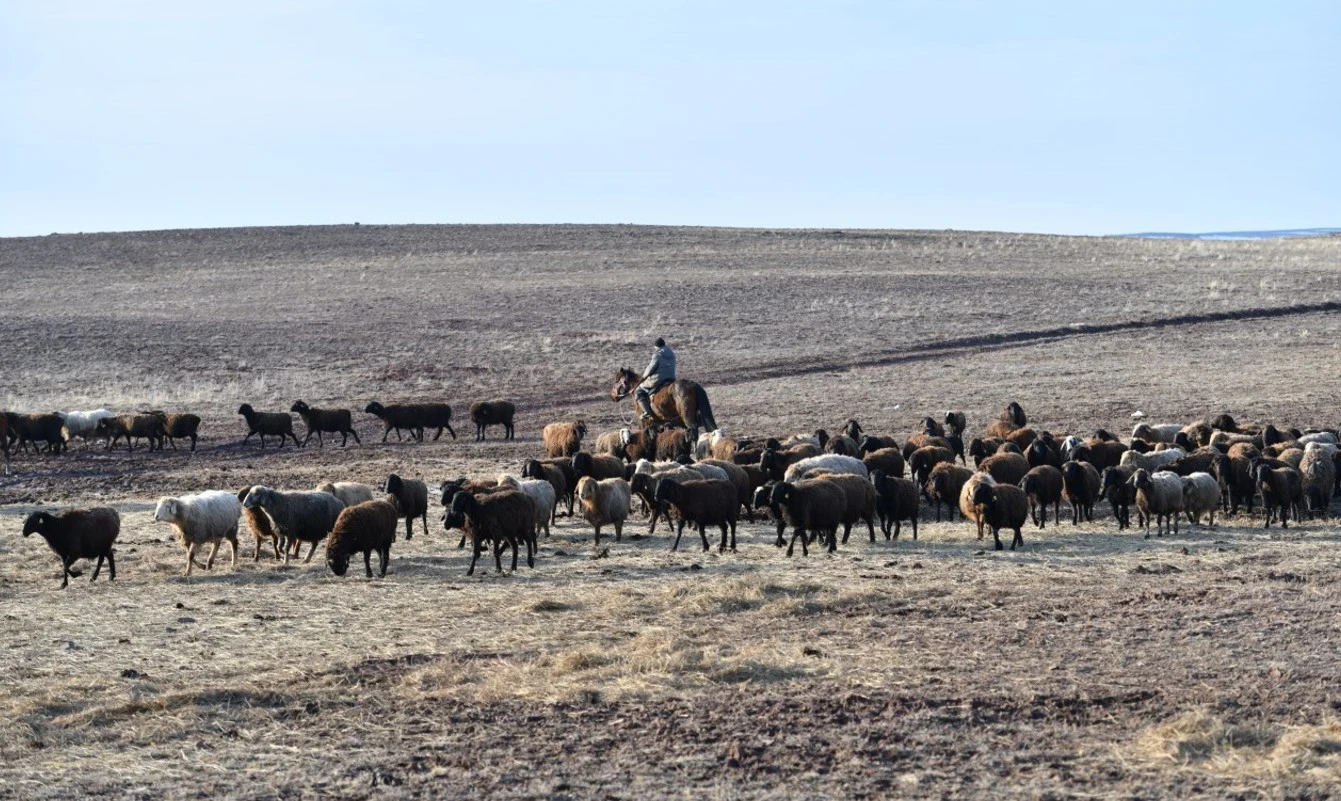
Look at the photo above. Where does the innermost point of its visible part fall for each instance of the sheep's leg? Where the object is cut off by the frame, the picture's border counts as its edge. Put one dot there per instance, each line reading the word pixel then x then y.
pixel 675 546
pixel 383 556
pixel 232 543
pixel 310 551
pixel 996 536
pixel 498 555
pixel 1056 513
pixel 474 556
pixel 619 530
pixel 214 549
pixel 387 430
pixel 870 527
pixel 847 530
pixel 462 543
pixel 190 557
pixel 111 565
pixel 424 520
pixel 833 538
pixel 1019 540
pixel 721 547
pixel 66 572
pixel 355 435
pixel 367 563
pixel 914 519
pixel 97 568
pixel 514 555
pixel 450 431
pixel 782 529
pixel 409 529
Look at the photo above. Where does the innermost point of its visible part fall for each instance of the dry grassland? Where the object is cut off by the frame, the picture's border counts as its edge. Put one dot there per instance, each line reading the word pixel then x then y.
pixel 1091 664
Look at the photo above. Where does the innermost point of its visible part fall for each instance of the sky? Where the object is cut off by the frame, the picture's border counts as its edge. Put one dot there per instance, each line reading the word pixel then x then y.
pixel 1055 117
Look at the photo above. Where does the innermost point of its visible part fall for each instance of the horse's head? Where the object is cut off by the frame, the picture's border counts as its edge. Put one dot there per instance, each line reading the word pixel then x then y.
pixel 625 380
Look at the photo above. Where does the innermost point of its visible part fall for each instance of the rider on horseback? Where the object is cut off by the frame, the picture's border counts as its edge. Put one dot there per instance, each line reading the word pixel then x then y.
pixel 660 372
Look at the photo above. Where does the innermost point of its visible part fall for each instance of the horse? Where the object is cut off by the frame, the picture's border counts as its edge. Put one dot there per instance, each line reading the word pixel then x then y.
pixel 679 403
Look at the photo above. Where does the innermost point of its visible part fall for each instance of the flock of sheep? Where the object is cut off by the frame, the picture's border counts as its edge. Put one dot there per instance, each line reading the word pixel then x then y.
pixel 813 484
pixel 55 430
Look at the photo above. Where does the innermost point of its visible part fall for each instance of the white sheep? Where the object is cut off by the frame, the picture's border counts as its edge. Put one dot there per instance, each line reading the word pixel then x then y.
pixel 1321 437
pixel 709 471
pixel 1152 461
pixel 604 502
pixel 1201 496
pixel 540 492
pixel 350 493
pixel 832 462
pixel 1318 474
pixel 208 517
pixel 1159 496
pixel 1155 433
pixel 83 424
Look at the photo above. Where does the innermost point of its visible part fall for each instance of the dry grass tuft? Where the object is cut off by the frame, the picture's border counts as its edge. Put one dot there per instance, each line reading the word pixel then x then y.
pixel 1204 742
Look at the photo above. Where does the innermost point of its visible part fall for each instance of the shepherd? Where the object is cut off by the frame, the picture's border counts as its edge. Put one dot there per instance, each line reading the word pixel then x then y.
pixel 660 372
pixel 662 398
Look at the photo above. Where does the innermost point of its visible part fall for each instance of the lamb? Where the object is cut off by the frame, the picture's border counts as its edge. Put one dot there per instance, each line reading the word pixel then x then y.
pixel 296 516
pixel 597 466
pixel 83 424
pixel 702 503
pixel 1121 495
pixel 491 413
pixel 78 534
pixel 533 468
pixel 365 527
pixel 604 502
pixel 563 439
pixel 1281 488
pixel 944 485
pixel 895 501
pixel 1006 468
pixel 411 496
pixel 1003 506
pixel 501 518
pixel 833 462
pixel 205 518
pixel 887 460
pixel 39 428
pixel 1201 496
pixel 809 506
pixel 1153 461
pixel 1159 496
pixel 260 526
pixel 1318 474
pixel 412 417
pixel 178 426
pixel 861 502
pixel 132 426
pixel 275 424
pixel 969 507
pixel 332 421
pixel 1042 486
pixel 1080 488
pixel 540 492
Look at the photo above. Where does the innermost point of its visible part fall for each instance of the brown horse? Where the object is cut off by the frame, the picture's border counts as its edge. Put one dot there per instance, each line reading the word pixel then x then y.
pixel 679 403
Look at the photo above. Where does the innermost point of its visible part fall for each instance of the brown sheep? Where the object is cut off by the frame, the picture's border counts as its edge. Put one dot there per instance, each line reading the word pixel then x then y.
pixel 492 413
pixel 1003 506
pixel 923 460
pixel 969 507
pixel 1006 468
pixel 944 485
pixel 1080 488
pixel 259 523
pixel 365 527
pixel 275 424
pixel 701 503
pixel 1042 485
pixel 887 460
pixel 563 439
pixel 895 501
pixel 331 421
pixel 860 494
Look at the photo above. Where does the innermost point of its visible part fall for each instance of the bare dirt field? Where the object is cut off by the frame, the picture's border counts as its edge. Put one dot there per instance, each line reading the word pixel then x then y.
pixel 1091 664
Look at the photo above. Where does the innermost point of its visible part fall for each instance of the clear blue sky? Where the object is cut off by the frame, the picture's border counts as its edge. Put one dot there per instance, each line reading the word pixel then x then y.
pixel 1066 117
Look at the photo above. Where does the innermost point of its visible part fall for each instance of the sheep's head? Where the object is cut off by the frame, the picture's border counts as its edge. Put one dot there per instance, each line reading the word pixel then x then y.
pixel 245 410
pixel 761 497
pixel 375 409
pixel 258 496
pixel 300 407
pixel 580 429
pixel 36 523
pixel 531 469
pixel 586 488
pixel 393 484
pixel 852 429
pixel 456 513
pixel 782 493
pixel 582 463
pixel 1141 479
pixel 168 509
pixel 982 495
pixel 337 562
pixel 665 490
pixel 821 436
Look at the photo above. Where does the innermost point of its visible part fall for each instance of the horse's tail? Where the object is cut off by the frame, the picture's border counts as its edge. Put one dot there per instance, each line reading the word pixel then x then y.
pixel 705 419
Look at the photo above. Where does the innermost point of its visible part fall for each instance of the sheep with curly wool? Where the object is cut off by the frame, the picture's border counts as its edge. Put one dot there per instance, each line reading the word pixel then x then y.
pixel 206 518
pixel 969 507
pixel 75 534
pixel 1153 461
pixel 1317 471
pixel 1006 468
pixel 350 493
